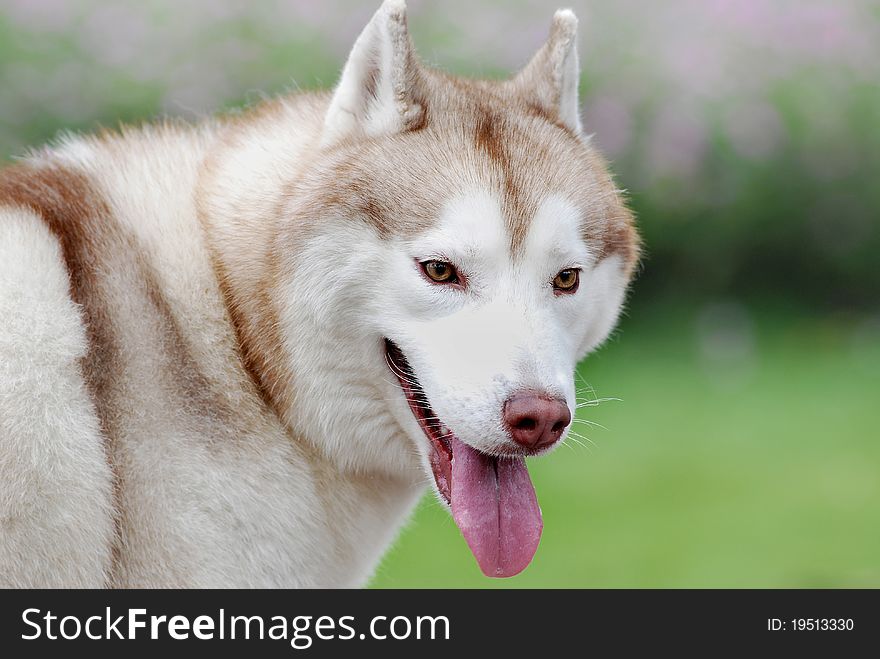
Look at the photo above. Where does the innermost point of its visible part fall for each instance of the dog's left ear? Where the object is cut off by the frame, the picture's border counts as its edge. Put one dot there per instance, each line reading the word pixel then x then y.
pixel 380 88
pixel 550 80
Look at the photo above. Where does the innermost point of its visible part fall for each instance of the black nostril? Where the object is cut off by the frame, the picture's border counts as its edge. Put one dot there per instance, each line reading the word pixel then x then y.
pixel 558 426
pixel 525 423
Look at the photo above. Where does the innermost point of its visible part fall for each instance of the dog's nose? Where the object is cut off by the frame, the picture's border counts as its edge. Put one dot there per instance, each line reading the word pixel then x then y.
pixel 535 421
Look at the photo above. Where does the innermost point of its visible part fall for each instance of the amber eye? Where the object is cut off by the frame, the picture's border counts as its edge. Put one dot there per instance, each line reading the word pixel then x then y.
pixel 566 281
pixel 440 271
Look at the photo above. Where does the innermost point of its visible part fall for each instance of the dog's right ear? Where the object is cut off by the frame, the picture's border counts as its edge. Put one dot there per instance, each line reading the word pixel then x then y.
pixel 550 81
pixel 380 88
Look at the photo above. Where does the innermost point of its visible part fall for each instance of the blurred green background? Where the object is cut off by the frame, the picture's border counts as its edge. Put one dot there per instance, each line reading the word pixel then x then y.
pixel 743 449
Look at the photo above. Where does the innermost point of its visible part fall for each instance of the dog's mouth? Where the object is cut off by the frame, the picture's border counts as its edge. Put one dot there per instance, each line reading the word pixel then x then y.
pixel 492 498
pixel 438 435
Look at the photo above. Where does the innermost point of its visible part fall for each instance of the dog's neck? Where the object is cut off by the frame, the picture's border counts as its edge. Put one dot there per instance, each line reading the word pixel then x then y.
pixel 239 201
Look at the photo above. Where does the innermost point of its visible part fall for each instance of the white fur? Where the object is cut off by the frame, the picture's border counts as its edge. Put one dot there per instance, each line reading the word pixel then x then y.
pixel 381 51
pixel 341 381
pixel 55 492
pixel 311 491
pixel 507 332
pixel 567 71
pixel 245 507
pixel 552 76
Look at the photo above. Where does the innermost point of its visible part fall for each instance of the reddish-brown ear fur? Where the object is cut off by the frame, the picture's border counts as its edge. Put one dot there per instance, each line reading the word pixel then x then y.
pixel 549 82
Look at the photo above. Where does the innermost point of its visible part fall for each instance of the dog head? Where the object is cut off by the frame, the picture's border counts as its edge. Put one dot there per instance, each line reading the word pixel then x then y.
pixel 460 246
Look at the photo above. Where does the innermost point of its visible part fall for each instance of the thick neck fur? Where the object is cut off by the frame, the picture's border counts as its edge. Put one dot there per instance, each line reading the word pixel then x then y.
pixel 243 204
pixel 239 201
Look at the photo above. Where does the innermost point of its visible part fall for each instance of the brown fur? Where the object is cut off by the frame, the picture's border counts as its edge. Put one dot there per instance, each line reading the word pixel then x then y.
pixel 81 220
pixel 490 139
pixel 475 130
pixel 90 239
pixel 71 209
pixel 202 387
pixel 258 340
pixel 251 312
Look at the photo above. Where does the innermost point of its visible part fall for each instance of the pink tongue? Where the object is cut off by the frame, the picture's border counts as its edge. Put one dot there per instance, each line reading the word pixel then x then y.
pixel 494 505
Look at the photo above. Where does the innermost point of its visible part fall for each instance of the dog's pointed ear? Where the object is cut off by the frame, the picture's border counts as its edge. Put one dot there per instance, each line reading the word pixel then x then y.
pixel 379 91
pixel 550 80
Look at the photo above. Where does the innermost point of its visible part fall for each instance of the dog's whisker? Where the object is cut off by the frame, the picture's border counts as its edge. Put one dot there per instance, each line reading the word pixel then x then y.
pixel 576 435
pixel 589 423
pixel 596 401
pixel 399 371
pixel 579 443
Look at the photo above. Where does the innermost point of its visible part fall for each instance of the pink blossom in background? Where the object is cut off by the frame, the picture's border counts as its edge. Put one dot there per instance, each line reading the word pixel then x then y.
pixel 41 15
pixel 610 119
pixel 70 94
pixel 195 91
pixel 677 142
pixel 657 75
pixel 304 12
pixel 754 129
pixel 222 11
pixel 698 70
pixel 116 35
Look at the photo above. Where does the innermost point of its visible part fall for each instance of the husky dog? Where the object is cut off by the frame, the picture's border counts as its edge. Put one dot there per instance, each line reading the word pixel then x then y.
pixel 235 353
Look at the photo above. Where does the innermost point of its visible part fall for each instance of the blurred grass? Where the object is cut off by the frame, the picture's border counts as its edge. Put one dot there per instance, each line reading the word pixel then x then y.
pixel 772 480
